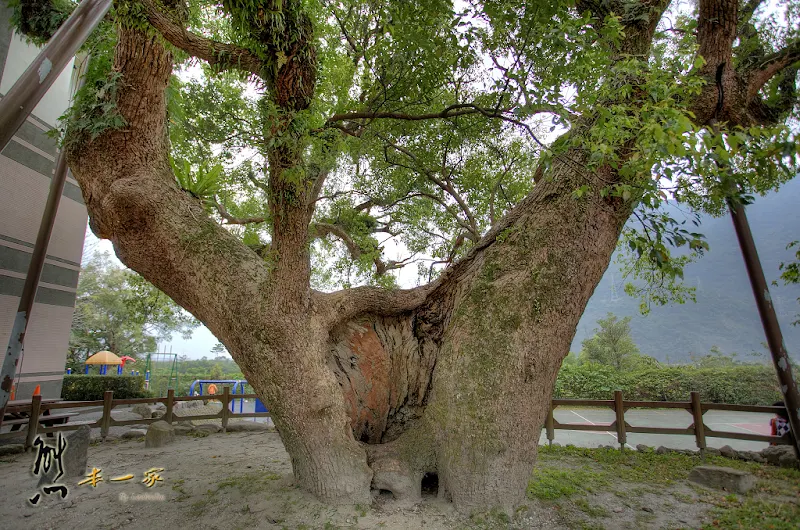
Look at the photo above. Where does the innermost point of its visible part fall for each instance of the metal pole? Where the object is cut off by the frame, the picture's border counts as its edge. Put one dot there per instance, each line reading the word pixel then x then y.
pixel 15 107
pixel 769 319
pixel 29 89
pixel 17 338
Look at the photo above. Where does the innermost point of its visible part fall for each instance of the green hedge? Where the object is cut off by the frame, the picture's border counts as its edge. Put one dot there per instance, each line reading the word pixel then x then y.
pixel 91 387
pixel 740 385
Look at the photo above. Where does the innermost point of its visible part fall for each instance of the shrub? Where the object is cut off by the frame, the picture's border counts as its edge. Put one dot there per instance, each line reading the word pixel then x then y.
pixel 588 381
pixel 747 384
pixel 91 387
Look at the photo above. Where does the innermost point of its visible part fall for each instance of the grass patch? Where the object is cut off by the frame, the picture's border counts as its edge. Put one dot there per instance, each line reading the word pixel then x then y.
pixel 200 507
pixel 563 472
pixel 551 483
pixel 592 510
pixel 757 514
pixel 649 467
pixel 249 482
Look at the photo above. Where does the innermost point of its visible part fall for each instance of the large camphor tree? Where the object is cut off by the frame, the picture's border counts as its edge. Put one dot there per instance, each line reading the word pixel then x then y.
pixel 247 156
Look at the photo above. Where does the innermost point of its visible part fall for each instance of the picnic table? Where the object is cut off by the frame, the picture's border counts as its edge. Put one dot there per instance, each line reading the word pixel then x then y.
pixel 18 413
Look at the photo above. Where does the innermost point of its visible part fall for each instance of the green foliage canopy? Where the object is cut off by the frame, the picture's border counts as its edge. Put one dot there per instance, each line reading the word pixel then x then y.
pixel 613 346
pixel 428 120
pixel 117 310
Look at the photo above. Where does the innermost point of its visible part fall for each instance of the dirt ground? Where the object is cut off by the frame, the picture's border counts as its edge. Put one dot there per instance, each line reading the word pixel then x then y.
pixel 244 480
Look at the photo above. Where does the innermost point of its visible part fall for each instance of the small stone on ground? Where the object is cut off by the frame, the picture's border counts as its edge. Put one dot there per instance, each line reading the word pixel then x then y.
pixel 725 478
pixel 159 434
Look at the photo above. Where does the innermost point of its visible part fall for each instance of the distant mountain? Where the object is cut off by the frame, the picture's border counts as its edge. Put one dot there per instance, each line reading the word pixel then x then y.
pixel 725 314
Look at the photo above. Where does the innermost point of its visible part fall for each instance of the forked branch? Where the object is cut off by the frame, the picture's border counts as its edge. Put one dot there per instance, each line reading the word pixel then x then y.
pixel 218 54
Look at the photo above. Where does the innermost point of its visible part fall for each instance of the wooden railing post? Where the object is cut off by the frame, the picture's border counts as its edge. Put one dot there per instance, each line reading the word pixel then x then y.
pixel 699 427
pixel 33 421
pixel 105 422
pixel 226 400
pixel 551 432
pixel 619 408
pixel 170 405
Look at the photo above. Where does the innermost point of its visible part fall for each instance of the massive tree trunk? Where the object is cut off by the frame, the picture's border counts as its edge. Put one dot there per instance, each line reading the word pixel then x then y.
pixel 453 379
pixel 460 386
pixel 371 387
pixel 457 377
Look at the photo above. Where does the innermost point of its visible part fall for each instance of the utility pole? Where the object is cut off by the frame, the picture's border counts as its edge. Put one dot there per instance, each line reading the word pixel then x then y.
pixel 15 107
pixel 769 319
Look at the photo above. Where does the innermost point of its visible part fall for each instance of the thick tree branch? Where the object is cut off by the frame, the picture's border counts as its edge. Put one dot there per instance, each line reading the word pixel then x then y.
pixel 233 220
pixel 460 109
pixel 772 65
pixel 746 13
pixel 323 229
pixel 218 54
pixel 347 304
pixel 471 225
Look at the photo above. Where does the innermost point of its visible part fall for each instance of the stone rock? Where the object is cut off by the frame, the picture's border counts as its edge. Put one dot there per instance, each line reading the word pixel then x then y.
pixel 725 478
pixel 74 458
pixel 180 405
pixel 142 410
pixel 158 414
pixel 242 426
pixel 183 429
pixel 727 451
pixel 788 460
pixel 186 423
pixel 159 434
pixel 125 415
pixel 160 406
pixel 619 509
pixel 133 434
pixel 642 448
pixel 747 456
pixel 77 453
pixel 662 450
pixel 774 453
pixel 11 449
pixel 208 427
pixel 712 451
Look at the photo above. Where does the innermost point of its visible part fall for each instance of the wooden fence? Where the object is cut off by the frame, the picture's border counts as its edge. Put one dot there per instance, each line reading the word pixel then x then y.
pixel 106 421
pixel 698 428
pixel 619 426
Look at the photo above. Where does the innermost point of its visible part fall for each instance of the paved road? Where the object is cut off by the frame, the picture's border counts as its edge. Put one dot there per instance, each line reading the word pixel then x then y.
pixel 719 420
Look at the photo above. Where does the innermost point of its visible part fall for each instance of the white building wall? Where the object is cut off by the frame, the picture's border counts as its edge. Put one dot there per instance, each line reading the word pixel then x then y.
pixel 26 170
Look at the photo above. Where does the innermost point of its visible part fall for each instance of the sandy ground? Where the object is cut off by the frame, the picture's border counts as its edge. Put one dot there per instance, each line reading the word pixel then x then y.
pixel 244 480
pixel 233 480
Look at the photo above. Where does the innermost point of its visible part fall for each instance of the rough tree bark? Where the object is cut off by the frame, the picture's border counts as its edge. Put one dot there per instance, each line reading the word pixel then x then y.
pixel 369 387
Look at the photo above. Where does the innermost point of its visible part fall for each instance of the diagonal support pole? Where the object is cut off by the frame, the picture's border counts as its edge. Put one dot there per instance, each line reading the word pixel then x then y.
pixel 769 319
pixel 35 81
pixel 15 107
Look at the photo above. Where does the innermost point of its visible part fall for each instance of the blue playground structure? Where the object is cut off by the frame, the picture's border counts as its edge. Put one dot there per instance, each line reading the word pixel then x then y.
pixel 235 383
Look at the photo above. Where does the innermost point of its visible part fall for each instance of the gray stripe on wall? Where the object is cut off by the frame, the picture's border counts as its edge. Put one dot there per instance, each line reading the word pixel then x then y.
pixel 49 389
pixel 15 260
pixel 29 158
pixel 37 138
pixel 31 245
pixel 44 166
pixel 44 295
pixel 41 374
